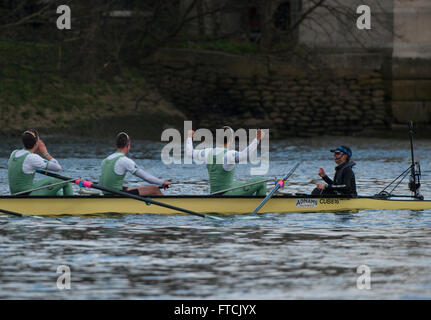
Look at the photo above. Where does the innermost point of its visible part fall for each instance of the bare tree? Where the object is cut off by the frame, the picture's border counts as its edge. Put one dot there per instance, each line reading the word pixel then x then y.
pixel 108 34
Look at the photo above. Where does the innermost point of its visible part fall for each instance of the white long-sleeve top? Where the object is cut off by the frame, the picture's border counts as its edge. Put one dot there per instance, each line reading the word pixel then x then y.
pixel 230 158
pixel 34 161
pixel 125 164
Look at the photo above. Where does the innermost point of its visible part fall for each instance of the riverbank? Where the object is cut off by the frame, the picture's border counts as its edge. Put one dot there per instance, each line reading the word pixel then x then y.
pixel 210 88
pixel 34 94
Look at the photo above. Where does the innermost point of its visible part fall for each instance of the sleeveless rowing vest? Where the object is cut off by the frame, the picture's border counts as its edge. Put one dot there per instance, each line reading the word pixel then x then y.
pixel 109 178
pixel 18 180
pixel 220 179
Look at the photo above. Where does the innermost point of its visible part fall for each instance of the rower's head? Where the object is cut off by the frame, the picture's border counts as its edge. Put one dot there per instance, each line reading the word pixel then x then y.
pixel 122 142
pixel 342 154
pixel 30 138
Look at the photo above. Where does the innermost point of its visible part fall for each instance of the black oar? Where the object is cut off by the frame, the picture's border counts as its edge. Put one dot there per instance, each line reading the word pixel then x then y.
pixel 16 214
pixel 89 184
pixel 27 192
pixel 279 184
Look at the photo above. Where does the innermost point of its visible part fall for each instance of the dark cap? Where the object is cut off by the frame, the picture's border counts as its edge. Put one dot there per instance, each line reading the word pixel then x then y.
pixel 343 149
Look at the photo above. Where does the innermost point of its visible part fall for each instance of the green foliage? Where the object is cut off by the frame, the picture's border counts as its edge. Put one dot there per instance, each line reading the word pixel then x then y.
pixel 31 83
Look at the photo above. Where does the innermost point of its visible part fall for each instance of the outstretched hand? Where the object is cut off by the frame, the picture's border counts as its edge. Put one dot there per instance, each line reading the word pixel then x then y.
pixel 166 185
pixel 190 133
pixel 260 134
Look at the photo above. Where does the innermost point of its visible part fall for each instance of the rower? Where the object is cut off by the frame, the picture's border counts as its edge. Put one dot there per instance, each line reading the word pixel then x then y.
pixel 221 169
pixel 344 180
pixel 23 164
pixel 116 165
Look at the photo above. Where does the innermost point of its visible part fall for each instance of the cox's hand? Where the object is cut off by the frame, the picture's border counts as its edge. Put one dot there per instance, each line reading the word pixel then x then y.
pixel 321 172
pixel 166 185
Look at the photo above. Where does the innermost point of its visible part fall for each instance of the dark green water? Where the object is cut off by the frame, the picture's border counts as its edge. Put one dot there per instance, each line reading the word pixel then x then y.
pixel 278 256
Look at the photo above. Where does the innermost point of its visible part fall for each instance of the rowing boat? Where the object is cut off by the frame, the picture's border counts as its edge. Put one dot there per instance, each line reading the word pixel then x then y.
pixel 227 205
pixel 200 205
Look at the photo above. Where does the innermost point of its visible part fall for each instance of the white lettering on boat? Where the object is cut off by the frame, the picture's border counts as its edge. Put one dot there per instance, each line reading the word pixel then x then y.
pixel 306 202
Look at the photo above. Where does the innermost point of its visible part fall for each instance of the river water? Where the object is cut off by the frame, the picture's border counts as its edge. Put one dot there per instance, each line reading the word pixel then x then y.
pixel 277 256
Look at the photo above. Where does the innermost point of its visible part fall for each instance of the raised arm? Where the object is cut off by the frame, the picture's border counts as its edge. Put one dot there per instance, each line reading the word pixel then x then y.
pixel 35 161
pixel 199 155
pixel 236 157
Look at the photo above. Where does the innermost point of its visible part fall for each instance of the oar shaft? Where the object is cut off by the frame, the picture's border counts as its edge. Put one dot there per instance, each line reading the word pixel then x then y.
pixel 126 194
pixel 277 186
pixel 89 184
pixel 16 214
pixel 42 187
pixel 239 187
pixel 267 197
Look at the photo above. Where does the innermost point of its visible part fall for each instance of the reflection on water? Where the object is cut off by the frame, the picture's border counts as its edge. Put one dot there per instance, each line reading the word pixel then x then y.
pixel 278 256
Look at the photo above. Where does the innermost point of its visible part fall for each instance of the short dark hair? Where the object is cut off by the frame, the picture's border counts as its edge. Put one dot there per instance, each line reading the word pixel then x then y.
pixel 122 140
pixel 29 138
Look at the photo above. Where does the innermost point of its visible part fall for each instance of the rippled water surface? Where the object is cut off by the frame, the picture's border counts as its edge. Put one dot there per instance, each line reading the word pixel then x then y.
pixel 276 256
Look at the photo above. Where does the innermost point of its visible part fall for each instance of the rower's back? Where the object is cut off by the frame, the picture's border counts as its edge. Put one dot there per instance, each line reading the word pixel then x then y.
pixel 219 178
pixel 109 178
pixel 19 180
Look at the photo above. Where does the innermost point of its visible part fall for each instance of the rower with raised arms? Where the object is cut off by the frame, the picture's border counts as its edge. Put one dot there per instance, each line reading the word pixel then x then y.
pixel 344 182
pixel 22 166
pixel 116 166
pixel 221 161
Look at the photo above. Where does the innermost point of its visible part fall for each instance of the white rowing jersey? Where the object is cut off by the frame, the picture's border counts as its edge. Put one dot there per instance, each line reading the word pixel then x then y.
pixel 125 164
pixel 230 158
pixel 34 161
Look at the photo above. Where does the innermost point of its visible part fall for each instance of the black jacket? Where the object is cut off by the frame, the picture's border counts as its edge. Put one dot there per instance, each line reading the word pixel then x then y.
pixel 344 180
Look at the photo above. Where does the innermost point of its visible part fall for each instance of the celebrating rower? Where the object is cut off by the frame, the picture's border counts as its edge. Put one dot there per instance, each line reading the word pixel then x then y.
pixel 344 180
pixel 22 166
pixel 115 167
pixel 221 162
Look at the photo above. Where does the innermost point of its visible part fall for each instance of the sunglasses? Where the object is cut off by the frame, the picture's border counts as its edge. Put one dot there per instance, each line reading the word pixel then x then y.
pixel 338 152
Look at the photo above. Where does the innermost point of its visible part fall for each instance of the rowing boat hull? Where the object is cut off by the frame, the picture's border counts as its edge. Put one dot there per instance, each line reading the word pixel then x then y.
pixel 90 205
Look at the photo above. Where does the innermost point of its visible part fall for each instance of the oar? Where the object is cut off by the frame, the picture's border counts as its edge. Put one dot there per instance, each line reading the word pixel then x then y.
pixel 42 187
pixel 89 184
pixel 239 187
pixel 278 185
pixel 16 214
